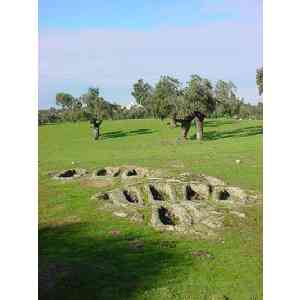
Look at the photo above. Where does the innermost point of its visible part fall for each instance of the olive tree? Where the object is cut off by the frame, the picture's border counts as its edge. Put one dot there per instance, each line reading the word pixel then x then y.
pixel 227 101
pixel 165 97
pixel 142 91
pixel 94 104
pixel 183 105
pixel 199 102
pixel 64 100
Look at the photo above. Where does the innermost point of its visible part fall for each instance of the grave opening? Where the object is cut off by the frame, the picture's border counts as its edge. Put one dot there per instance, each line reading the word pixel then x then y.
pixel 103 196
pixel 101 172
pixel 223 195
pixel 130 196
pixel 157 195
pixel 166 217
pixel 116 173
pixel 190 194
pixel 67 173
pixel 132 172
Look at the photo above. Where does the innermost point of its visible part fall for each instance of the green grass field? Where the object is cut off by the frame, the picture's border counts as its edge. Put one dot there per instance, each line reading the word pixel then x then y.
pixel 79 257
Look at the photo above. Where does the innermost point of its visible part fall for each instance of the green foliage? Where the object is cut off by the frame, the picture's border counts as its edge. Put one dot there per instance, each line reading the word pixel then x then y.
pixel 136 112
pixel 142 92
pixel 165 95
pixel 94 104
pixel 225 91
pixel 228 103
pixel 198 96
pixel 71 107
pixel 259 80
pixel 167 99
pixel 64 100
pixel 249 111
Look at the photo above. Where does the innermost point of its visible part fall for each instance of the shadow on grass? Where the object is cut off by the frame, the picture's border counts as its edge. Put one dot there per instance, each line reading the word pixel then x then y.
pixel 240 132
pixel 73 265
pixel 217 123
pixel 121 133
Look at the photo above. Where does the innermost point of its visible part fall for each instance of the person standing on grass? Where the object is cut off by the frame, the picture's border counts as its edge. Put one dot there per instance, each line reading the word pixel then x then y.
pixel 95 124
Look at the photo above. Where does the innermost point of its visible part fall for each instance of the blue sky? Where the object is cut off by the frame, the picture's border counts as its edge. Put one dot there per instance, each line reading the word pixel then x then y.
pixel 111 44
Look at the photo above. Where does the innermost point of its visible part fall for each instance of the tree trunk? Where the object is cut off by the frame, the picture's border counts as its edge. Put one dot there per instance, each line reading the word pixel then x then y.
pixel 173 121
pixel 186 125
pixel 96 133
pixel 199 127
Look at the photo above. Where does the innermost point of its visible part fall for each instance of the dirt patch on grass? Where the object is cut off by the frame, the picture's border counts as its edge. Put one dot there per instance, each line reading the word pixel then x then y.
pixel 96 183
pixel 201 253
pixel 64 221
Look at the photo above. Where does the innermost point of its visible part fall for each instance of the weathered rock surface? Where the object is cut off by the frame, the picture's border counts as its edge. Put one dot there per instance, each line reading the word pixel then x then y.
pixel 107 172
pixel 134 173
pixel 229 194
pixel 188 203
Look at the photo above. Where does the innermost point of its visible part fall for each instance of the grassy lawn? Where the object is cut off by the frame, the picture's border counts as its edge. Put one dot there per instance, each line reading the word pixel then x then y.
pixel 81 258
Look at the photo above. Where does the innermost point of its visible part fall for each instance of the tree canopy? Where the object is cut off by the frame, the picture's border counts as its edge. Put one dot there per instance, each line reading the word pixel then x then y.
pixel 64 100
pixel 228 102
pixel 165 96
pixel 142 91
pixel 198 96
pixel 94 103
pixel 168 98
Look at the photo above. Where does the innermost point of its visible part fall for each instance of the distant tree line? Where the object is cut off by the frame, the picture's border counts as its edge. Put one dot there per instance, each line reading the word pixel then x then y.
pixel 167 99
